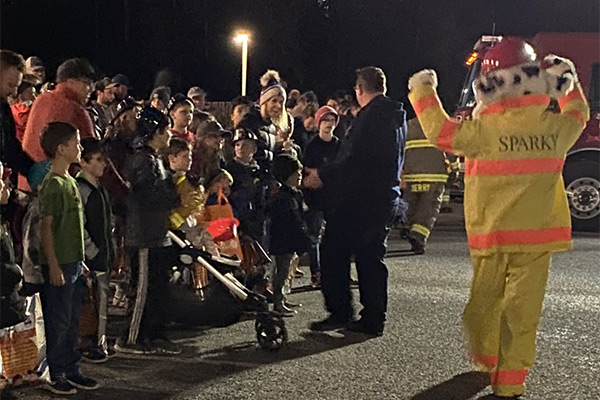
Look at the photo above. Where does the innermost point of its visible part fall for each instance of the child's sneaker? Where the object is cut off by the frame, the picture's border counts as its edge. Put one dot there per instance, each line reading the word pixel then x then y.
pixel 315 281
pixel 83 382
pixel 60 386
pixel 166 347
pixel 122 346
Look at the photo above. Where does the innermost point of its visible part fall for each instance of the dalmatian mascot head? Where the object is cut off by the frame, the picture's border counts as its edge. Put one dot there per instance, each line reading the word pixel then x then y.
pixel 511 69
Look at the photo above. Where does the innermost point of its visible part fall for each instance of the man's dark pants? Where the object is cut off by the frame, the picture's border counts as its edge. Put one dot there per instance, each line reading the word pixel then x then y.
pixel 367 243
pixel 62 309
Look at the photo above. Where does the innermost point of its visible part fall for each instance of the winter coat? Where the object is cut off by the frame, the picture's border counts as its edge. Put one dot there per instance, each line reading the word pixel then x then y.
pixel 317 154
pixel 20 112
pixel 514 153
pixel 97 224
pixel 12 306
pixel 362 184
pixel 289 233
pixel 267 136
pixel 248 197
pixel 151 198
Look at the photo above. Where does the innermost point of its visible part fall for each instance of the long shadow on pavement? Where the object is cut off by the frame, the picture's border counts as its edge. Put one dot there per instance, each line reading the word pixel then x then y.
pixel 157 378
pixel 460 387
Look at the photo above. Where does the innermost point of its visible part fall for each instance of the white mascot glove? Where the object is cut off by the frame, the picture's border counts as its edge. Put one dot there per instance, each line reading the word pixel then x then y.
pixel 562 74
pixel 421 78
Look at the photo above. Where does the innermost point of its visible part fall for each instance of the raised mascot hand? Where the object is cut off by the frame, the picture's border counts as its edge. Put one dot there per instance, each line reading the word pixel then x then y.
pixel 421 78
pixel 562 72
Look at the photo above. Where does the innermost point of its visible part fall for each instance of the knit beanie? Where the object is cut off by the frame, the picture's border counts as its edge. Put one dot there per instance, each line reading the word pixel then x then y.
pixel 271 86
pixel 321 112
pixel 163 93
pixel 284 165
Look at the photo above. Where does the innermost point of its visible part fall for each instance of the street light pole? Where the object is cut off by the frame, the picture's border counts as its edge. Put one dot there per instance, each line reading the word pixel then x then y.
pixel 243 38
pixel 244 64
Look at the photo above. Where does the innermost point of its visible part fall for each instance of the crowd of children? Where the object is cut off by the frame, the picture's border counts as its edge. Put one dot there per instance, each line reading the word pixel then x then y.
pixel 100 202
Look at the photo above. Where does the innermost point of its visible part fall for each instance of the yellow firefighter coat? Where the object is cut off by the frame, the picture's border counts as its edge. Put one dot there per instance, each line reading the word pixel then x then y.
pixel 514 155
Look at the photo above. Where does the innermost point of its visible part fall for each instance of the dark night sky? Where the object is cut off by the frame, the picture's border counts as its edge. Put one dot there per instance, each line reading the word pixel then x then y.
pixel 312 48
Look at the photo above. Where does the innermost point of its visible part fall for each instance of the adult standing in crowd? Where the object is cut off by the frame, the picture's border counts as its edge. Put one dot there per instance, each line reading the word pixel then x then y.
pixel 363 190
pixel 35 66
pixel 122 87
pixel 198 96
pixel 66 103
pixel 269 120
pixel 105 96
pixel 21 109
pixel 11 73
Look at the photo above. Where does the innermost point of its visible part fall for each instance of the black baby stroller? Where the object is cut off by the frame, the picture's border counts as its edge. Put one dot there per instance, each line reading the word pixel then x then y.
pixel 227 303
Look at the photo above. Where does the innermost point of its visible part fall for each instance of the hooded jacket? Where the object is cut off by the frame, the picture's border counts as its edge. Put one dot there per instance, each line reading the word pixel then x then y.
pixel 362 184
pixel 514 153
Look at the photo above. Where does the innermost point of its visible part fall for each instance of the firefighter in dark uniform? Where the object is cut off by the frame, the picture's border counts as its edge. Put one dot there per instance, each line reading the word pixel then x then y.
pixel 426 172
pixel 454 165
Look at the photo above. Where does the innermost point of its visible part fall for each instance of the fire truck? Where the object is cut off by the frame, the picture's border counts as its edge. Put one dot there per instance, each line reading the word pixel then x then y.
pixel 582 167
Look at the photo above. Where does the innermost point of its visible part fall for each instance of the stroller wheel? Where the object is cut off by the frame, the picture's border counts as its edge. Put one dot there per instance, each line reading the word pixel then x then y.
pixel 271 333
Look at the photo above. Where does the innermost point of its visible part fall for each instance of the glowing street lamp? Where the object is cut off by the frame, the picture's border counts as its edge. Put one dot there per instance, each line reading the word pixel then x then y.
pixel 243 38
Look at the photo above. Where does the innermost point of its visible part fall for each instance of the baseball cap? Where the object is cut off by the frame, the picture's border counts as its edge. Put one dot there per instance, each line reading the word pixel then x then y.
pixel 195 91
pixel 104 83
pixel 216 129
pixel 34 62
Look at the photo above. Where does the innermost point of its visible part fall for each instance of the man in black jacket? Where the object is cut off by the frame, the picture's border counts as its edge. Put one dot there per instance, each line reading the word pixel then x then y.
pixel 363 193
pixel 12 155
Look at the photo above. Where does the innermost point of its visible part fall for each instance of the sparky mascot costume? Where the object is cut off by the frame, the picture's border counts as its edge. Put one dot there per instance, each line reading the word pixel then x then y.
pixel 516 207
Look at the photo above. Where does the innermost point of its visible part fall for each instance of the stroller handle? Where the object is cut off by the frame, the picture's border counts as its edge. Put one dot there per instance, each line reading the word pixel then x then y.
pixel 238 291
pixel 221 260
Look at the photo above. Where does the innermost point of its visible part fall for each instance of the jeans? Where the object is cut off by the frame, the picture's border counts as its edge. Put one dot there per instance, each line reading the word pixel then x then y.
pixel 280 275
pixel 62 309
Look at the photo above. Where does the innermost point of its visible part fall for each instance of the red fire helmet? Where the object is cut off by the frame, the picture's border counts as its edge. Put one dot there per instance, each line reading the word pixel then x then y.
pixel 508 52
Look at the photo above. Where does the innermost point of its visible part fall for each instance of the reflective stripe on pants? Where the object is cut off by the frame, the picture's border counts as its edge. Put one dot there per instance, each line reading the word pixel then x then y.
pixel 503 313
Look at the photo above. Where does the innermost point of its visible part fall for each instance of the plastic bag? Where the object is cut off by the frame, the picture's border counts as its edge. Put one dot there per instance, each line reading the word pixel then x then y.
pixel 23 346
pixel 220 210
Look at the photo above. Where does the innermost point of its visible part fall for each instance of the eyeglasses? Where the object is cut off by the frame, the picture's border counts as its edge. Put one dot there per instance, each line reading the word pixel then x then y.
pixel 329 119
